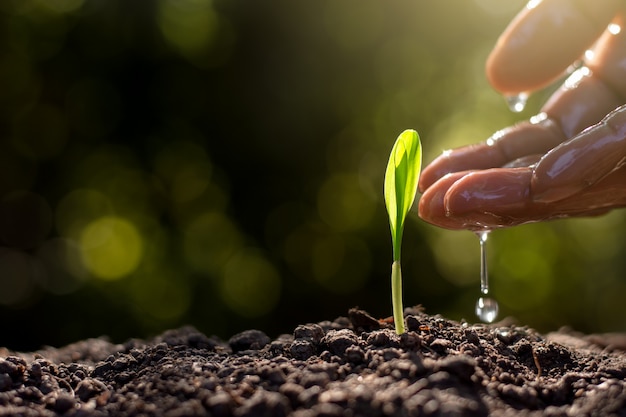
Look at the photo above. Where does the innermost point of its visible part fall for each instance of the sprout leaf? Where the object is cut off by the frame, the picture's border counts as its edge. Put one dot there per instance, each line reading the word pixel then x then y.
pixel 401 176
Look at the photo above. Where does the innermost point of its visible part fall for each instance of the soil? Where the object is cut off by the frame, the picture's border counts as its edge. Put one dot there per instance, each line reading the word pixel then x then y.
pixel 352 366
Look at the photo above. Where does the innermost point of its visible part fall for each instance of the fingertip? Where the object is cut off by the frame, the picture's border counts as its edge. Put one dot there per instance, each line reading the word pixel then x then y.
pixel 431 206
pixel 493 191
pixel 434 171
pixel 543 40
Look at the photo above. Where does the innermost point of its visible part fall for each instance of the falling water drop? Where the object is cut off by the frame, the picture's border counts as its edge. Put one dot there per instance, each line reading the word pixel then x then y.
pixel 484 273
pixel 486 308
pixel 516 103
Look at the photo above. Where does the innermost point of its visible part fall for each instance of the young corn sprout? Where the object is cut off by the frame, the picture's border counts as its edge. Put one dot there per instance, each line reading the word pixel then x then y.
pixel 401 176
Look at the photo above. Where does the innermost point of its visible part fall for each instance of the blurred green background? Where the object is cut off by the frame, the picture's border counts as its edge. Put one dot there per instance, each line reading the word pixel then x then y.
pixel 220 163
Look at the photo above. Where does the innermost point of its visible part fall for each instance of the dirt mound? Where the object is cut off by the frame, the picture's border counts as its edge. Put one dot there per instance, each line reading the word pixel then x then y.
pixel 353 366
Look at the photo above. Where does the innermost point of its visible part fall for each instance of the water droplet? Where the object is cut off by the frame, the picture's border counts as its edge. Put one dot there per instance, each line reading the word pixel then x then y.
pixel 576 77
pixel 614 28
pixel 532 4
pixel 517 103
pixel 487 309
pixel 538 118
pixel 484 273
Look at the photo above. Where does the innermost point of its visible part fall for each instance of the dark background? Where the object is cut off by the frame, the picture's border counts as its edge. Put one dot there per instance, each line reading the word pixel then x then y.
pixel 220 164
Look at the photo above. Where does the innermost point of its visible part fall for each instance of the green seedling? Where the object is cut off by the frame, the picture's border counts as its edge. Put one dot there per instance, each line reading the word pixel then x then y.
pixel 401 176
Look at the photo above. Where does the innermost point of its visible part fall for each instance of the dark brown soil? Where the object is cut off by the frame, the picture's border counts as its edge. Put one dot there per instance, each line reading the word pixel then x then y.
pixel 355 366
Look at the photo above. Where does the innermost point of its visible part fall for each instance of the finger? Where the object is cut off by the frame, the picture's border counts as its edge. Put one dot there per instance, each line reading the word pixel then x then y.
pixel 536 136
pixel 500 198
pixel 608 60
pixel 431 206
pixel 583 100
pixel 543 40
pixel 490 197
pixel 595 89
pixel 477 156
pixel 524 161
pixel 606 194
pixel 585 97
pixel 581 161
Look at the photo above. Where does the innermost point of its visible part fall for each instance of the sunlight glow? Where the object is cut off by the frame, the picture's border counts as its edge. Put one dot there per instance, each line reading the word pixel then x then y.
pixel 495 137
pixel 614 28
pixel 576 77
pixel 538 118
pixel 532 4
pixel 111 247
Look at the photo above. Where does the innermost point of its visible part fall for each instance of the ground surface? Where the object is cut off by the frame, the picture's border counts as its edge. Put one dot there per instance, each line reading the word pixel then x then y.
pixel 354 366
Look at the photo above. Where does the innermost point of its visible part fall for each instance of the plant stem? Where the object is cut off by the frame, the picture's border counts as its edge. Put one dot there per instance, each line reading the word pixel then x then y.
pixel 396 296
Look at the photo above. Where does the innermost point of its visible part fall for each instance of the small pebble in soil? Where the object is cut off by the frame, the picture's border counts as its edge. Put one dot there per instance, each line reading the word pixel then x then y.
pixel 312 332
pixel 248 340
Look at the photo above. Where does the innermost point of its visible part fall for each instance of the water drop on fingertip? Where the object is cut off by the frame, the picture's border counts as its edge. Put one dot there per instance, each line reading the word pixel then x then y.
pixel 487 309
pixel 516 103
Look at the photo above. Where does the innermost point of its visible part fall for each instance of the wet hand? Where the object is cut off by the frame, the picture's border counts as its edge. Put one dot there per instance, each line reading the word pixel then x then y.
pixel 566 161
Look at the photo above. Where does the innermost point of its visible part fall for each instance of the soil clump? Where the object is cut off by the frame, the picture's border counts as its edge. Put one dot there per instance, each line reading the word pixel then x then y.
pixel 352 366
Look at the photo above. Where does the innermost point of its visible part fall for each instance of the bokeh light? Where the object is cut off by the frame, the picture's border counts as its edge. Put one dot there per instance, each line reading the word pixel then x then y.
pixel 161 297
pixel 56 6
pixel 343 205
pixel 250 285
pixel 341 265
pixel 186 170
pixel 525 269
pixel 78 208
pixel 189 25
pixel 111 247
pixel 209 242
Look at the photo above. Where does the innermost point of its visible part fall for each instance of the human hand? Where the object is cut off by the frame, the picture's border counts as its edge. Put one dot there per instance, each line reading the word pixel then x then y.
pixel 566 161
